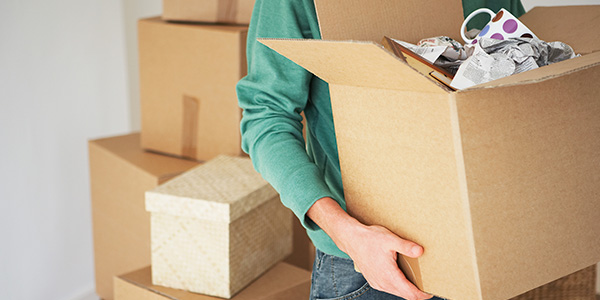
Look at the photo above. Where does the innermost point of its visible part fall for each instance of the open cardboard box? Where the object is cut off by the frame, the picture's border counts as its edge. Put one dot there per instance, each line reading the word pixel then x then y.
pixel 498 182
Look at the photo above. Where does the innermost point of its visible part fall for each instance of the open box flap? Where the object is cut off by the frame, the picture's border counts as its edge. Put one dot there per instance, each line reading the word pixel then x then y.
pixel 544 73
pixel 370 20
pixel 353 63
pixel 575 25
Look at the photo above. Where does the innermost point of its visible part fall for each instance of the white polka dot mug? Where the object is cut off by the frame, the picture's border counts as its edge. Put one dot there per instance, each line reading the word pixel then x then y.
pixel 502 25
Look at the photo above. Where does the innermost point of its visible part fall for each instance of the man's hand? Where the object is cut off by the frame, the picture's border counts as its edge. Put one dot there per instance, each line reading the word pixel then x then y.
pixel 372 248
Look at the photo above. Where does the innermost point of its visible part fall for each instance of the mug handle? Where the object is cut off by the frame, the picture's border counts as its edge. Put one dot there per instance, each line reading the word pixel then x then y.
pixel 468 18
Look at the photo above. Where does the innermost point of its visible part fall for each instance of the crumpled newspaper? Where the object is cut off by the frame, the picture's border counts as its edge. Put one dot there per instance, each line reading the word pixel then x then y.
pixel 494 59
pixel 454 53
pixel 441 51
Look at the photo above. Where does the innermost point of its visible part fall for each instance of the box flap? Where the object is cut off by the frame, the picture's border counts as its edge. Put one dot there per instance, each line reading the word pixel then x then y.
pixel 221 190
pixel 353 63
pixel 574 25
pixel 370 20
pixel 544 73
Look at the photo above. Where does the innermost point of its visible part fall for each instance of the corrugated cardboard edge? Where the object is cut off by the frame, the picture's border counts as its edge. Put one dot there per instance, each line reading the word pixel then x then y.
pixel 282 46
pixel 463 188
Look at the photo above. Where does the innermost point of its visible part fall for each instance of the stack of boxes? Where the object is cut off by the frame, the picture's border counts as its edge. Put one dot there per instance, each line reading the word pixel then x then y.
pixel 188 73
pixel 189 113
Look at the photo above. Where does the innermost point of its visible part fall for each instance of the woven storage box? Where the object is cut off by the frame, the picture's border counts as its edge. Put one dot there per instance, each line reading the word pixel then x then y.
pixel 580 285
pixel 216 228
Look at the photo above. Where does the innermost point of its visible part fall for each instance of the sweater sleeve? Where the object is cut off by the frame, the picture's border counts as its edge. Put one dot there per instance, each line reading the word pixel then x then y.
pixel 272 96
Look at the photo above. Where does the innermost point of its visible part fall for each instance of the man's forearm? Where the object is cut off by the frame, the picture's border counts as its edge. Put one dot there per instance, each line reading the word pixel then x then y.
pixel 336 222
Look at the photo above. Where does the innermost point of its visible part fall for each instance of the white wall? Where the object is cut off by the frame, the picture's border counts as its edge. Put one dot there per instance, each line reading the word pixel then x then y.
pixel 132 11
pixel 68 72
pixel 62 81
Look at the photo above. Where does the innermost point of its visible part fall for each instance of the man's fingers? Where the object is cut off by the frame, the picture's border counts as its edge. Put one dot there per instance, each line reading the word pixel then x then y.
pixel 407 248
pixel 394 282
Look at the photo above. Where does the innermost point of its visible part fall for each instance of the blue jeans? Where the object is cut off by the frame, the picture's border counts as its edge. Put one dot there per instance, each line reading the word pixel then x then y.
pixel 334 278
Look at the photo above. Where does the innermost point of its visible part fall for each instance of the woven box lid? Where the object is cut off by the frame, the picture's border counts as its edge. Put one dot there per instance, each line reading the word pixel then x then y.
pixel 222 190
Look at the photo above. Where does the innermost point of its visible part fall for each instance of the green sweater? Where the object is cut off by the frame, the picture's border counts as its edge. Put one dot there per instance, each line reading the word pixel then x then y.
pixel 273 95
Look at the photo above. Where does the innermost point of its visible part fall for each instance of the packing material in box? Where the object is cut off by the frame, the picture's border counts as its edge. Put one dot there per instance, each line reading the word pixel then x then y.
pixel 216 228
pixel 121 172
pixel 281 282
pixel 188 74
pixel 215 11
pixel 498 182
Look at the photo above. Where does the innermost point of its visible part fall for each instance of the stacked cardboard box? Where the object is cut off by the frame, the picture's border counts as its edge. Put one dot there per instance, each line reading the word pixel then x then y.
pixel 189 111
pixel 188 74
pixel 214 11
pixel 121 172
pixel 282 282
pixel 498 182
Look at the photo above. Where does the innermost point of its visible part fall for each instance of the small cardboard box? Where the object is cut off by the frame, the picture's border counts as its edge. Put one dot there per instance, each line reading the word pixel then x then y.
pixel 282 282
pixel 188 74
pixel 216 228
pixel 213 11
pixel 498 182
pixel 121 172
pixel 303 252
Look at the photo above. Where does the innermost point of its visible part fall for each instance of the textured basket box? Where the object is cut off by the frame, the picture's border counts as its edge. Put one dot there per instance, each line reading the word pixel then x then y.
pixel 216 228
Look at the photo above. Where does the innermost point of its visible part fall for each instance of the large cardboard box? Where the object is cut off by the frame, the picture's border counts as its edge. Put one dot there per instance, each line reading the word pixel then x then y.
pixel 216 228
pixel 214 11
pixel 580 285
pixel 282 282
pixel 188 74
pixel 498 182
pixel 121 172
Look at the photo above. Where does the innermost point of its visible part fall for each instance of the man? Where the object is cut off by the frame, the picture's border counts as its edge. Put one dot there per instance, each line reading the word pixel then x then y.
pixel 308 177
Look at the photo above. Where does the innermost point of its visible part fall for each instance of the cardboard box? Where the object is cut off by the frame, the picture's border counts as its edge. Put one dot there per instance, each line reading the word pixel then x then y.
pixel 214 11
pixel 303 251
pixel 580 285
pixel 282 282
pixel 120 173
pixel 188 74
pixel 216 228
pixel 498 182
